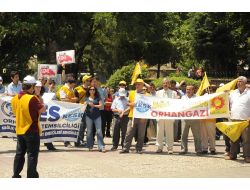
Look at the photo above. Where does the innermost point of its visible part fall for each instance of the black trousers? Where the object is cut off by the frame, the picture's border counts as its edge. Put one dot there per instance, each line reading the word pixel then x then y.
pixel 106 122
pixel 120 127
pixel 30 143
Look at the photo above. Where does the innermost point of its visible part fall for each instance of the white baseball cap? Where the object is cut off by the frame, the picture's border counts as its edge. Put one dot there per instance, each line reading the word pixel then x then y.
pixel 29 80
pixel 221 84
pixel 122 92
pixel 1 78
pixel 38 83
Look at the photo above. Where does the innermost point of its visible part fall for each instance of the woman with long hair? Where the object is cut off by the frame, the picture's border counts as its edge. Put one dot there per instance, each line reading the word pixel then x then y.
pixel 93 116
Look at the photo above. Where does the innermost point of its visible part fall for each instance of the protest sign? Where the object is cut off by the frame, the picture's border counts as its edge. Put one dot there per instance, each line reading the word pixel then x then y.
pixel 47 70
pixel 65 57
pixel 60 122
pixel 202 107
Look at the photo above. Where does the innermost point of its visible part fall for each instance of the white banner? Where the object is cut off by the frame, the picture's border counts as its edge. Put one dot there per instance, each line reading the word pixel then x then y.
pixel 47 70
pixel 65 57
pixel 202 107
pixel 60 122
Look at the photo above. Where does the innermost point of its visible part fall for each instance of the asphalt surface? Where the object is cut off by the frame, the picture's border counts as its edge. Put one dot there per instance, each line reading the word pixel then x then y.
pixel 80 163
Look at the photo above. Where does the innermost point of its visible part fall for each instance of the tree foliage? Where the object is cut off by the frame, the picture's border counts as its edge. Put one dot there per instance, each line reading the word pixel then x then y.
pixel 104 42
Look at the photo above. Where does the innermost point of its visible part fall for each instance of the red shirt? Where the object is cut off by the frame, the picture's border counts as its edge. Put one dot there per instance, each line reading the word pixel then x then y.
pixel 108 99
pixel 34 106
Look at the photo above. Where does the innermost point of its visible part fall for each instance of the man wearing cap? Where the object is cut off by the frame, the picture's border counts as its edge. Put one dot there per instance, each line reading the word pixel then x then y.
pixel 80 93
pixel 239 104
pixel 119 108
pixel 122 84
pixel 27 109
pixel 135 123
pixel 15 86
pixel 66 94
pixel 2 87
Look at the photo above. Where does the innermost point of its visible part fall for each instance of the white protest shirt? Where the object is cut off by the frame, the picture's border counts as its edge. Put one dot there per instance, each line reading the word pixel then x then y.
pixel 166 94
pixel 240 104
pixel 185 97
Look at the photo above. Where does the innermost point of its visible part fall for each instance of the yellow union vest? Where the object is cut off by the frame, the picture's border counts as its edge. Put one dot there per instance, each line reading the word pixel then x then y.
pixel 131 99
pixel 82 94
pixel 20 109
pixel 68 92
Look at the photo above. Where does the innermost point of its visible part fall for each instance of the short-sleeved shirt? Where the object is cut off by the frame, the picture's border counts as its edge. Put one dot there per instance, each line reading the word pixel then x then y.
pixel 93 112
pixel 34 106
pixel 120 103
pixel 240 104
pixel 14 89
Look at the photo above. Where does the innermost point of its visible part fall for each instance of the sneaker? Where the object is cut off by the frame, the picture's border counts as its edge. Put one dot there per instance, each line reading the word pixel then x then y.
pixel 158 151
pixel 213 152
pixel 69 145
pixel 170 152
pixel 230 157
pixel 103 150
pixel 124 151
pixel 139 152
pixel 90 149
pixel 113 148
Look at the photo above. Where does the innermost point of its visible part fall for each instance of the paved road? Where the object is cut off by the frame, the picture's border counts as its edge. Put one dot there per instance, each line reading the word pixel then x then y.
pixel 80 163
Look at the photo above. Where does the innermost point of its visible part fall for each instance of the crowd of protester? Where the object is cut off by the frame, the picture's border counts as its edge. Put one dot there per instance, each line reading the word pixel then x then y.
pixel 109 114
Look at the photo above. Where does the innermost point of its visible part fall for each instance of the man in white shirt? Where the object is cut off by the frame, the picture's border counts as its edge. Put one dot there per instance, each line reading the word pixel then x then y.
pixel 165 127
pixel 240 111
pixel 15 86
pixel 193 124
pixel 119 107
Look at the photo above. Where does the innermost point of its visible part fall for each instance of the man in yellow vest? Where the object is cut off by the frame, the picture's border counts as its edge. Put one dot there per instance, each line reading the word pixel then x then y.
pixel 27 109
pixel 80 93
pixel 66 94
pixel 134 123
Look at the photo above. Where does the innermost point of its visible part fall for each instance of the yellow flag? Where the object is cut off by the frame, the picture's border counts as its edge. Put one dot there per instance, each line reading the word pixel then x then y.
pixel 232 129
pixel 136 72
pixel 229 86
pixel 204 84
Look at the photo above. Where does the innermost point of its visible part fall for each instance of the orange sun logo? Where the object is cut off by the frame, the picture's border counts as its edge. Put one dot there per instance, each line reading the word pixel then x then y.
pixel 218 102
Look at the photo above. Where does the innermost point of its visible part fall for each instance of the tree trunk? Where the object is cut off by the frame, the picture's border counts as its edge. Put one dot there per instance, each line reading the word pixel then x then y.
pixel 158 70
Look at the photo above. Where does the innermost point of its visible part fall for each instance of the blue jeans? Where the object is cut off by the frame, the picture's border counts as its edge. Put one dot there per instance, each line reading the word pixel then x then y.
pixel 98 126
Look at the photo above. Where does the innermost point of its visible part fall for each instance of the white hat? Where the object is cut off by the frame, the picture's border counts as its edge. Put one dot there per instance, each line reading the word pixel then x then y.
pixel 221 84
pixel 38 83
pixel 29 80
pixel 1 78
pixel 122 92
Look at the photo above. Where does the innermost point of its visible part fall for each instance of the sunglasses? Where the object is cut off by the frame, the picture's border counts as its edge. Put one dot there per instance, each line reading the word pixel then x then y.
pixel 92 89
